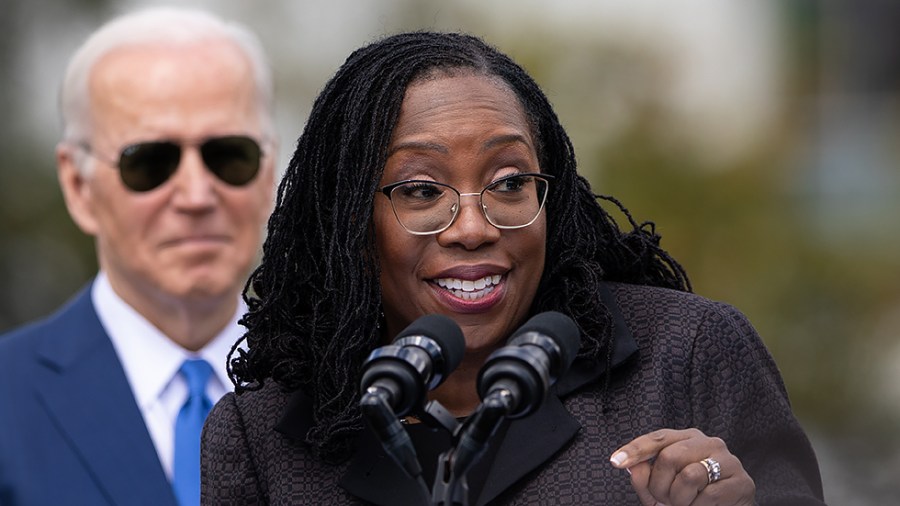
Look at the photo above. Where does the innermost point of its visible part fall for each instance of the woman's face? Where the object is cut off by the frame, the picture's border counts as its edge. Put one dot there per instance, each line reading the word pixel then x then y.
pixel 467 132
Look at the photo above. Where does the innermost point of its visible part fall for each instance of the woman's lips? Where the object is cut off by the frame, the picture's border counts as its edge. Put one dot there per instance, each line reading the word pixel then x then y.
pixel 470 289
pixel 470 295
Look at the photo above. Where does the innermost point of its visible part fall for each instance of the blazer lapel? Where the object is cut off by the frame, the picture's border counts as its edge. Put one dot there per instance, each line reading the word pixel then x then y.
pixel 371 474
pixel 374 476
pixel 84 389
pixel 527 444
pixel 533 440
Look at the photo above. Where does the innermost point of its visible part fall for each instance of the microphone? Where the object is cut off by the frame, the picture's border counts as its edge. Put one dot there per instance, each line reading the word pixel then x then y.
pixel 396 378
pixel 513 383
pixel 419 359
pixel 537 355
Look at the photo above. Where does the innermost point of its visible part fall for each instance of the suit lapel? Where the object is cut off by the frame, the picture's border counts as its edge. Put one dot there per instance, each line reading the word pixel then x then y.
pixel 374 477
pixel 84 390
pixel 527 444
pixel 371 474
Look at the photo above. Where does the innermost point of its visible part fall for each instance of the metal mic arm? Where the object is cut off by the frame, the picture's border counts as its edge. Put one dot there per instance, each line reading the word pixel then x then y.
pixel 436 416
pixel 393 436
pixel 451 484
pixel 387 426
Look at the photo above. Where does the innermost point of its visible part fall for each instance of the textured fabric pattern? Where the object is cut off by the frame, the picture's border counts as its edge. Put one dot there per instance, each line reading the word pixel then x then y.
pixel 700 364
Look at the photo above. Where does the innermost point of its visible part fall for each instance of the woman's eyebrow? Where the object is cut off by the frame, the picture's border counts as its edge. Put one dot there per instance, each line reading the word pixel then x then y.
pixel 504 139
pixel 419 146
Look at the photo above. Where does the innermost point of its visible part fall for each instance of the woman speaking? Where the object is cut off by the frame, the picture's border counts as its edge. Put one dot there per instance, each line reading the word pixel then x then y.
pixel 433 178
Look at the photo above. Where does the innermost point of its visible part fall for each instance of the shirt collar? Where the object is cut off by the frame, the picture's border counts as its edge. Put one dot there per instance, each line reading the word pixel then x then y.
pixel 149 358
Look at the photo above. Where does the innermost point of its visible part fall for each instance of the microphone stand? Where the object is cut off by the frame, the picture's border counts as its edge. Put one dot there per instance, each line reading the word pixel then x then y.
pixel 470 441
pixel 393 436
pixel 451 483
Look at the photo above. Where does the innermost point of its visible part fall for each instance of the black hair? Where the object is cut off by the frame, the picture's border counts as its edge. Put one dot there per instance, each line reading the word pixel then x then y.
pixel 315 299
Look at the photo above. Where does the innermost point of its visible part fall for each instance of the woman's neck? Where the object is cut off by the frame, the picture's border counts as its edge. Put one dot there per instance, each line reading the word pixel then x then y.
pixel 458 394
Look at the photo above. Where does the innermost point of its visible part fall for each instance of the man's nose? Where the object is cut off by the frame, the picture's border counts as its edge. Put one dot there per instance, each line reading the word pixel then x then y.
pixel 194 185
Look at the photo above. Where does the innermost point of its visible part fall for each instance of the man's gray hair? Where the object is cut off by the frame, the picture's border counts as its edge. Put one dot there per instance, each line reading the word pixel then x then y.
pixel 162 26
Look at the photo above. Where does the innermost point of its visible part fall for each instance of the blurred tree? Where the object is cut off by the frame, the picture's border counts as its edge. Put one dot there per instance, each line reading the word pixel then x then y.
pixel 44 258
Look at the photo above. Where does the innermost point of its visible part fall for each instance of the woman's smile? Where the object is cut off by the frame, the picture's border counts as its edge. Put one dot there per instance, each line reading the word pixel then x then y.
pixel 470 296
pixel 468 289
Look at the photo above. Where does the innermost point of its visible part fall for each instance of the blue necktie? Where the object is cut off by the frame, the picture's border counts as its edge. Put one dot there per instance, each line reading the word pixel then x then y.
pixel 186 476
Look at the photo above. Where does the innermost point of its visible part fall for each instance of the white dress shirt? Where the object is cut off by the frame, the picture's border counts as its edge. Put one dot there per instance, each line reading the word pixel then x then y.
pixel 151 362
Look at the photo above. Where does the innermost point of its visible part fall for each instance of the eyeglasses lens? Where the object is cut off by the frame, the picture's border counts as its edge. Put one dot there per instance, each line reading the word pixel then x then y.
pixel 514 202
pixel 149 164
pixel 425 207
pixel 233 159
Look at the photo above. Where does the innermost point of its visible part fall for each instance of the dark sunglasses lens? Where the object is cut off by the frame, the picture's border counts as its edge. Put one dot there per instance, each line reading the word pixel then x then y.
pixel 147 165
pixel 234 159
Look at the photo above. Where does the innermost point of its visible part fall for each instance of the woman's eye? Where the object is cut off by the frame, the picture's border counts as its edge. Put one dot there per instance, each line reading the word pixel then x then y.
pixel 510 184
pixel 421 191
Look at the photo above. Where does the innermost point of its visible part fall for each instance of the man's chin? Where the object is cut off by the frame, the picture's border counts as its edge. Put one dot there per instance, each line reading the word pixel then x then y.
pixel 199 290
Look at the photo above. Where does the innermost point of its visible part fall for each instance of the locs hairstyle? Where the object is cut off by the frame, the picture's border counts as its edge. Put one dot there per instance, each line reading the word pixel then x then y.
pixel 315 299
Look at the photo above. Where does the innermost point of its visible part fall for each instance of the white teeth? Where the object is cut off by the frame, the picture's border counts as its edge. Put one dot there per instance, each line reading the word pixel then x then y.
pixel 470 289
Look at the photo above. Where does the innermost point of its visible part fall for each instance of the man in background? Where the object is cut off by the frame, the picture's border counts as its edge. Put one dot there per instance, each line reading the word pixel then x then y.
pixel 167 160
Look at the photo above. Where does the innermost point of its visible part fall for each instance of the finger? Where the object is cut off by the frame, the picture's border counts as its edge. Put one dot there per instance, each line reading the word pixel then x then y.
pixel 675 459
pixel 688 484
pixel 640 478
pixel 733 487
pixel 648 446
pixel 736 492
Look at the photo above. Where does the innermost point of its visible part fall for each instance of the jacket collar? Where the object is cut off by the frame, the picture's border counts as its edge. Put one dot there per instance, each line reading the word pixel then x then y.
pixel 585 372
pixel 374 477
pixel 84 389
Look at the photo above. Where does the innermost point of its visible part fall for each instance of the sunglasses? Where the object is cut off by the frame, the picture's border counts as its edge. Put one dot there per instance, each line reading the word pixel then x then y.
pixel 234 159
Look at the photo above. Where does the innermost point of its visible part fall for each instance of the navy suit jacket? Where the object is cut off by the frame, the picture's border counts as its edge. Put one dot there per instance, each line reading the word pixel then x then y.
pixel 70 429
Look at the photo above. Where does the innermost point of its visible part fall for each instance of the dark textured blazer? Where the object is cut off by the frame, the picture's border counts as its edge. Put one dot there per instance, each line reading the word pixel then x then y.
pixel 679 361
pixel 70 430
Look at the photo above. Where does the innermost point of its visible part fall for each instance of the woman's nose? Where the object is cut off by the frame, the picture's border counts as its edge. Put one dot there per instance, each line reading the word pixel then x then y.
pixel 470 228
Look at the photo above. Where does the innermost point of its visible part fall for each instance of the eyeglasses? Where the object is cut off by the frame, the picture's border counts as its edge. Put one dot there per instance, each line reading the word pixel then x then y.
pixel 234 159
pixel 428 207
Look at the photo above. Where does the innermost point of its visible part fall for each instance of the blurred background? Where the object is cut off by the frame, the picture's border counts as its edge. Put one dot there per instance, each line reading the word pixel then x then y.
pixel 762 138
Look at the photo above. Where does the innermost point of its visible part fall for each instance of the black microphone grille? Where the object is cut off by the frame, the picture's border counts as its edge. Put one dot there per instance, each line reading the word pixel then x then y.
pixel 444 331
pixel 558 327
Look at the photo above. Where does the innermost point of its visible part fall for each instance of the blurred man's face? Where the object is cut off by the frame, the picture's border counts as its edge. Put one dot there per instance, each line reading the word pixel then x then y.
pixel 193 238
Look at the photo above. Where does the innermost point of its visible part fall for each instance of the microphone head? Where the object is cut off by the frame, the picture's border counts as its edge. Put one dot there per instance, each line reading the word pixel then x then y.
pixel 560 329
pixel 445 333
